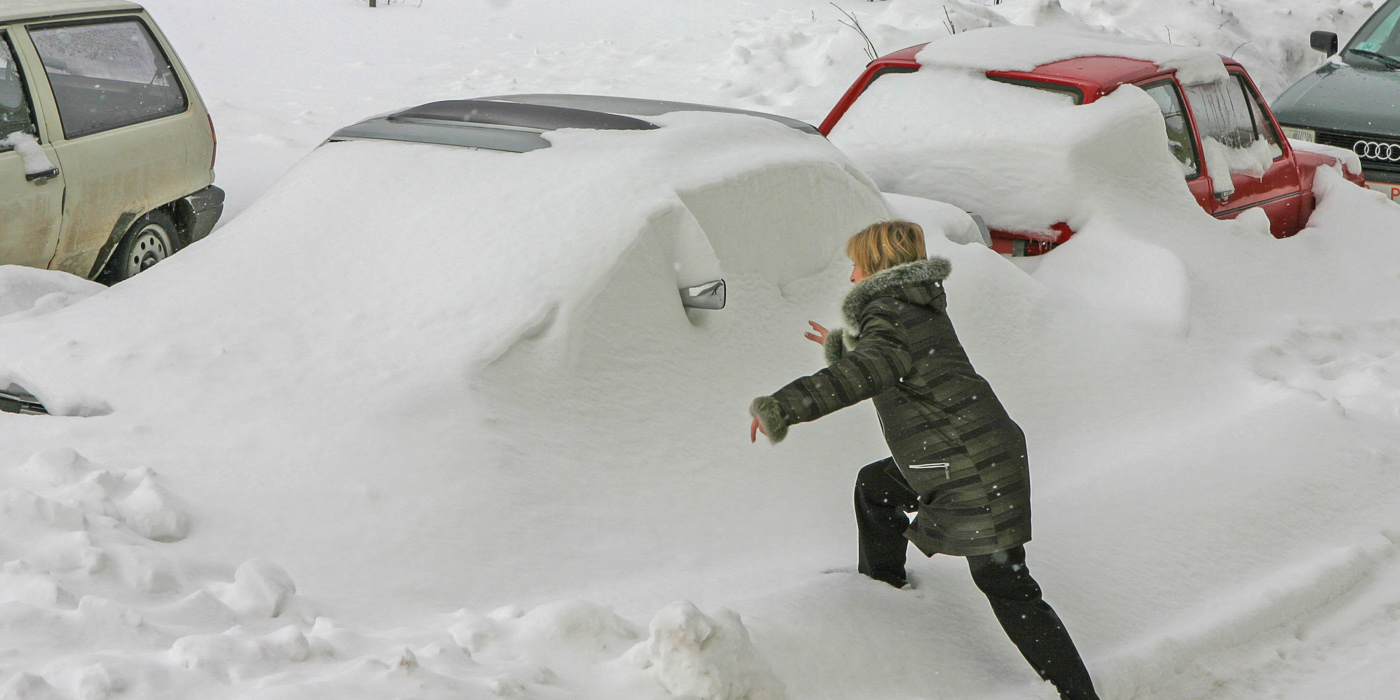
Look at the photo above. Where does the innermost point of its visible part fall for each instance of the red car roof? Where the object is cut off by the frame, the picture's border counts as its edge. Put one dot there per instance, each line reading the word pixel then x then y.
pixel 1091 76
pixel 1096 75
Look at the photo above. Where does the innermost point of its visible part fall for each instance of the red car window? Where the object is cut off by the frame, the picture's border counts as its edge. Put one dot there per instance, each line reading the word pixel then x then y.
pixel 1262 122
pixel 1179 137
pixel 1228 112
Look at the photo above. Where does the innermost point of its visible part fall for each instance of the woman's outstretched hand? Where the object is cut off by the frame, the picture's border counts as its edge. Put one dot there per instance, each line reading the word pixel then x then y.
pixel 755 429
pixel 819 337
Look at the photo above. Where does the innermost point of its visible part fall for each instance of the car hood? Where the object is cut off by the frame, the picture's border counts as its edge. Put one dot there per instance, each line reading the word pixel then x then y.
pixel 1339 97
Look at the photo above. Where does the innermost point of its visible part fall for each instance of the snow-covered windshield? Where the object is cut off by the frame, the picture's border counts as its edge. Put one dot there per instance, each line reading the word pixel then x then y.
pixel 1378 41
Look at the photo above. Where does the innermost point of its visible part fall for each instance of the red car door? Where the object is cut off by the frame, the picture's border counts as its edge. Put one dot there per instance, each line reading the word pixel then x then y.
pixel 1246 163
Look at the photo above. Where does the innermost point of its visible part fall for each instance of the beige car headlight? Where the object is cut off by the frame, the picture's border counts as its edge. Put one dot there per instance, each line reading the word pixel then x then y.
pixel 1296 134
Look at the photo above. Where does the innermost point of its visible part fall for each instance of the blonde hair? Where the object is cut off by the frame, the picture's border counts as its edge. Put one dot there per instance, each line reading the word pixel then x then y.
pixel 879 247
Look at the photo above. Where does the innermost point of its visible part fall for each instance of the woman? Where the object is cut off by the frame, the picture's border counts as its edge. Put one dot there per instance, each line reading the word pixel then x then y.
pixel 957 458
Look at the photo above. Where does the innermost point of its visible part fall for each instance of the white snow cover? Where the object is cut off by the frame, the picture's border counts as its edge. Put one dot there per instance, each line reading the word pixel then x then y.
pixel 1211 412
pixel 1023 159
pixel 26 292
pixel 34 158
pixel 1348 158
pixel 1250 162
pixel 1025 48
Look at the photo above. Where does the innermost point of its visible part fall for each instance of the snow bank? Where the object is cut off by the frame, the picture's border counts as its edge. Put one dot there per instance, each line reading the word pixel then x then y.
pixel 1025 48
pixel 26 292
pixel 695 655
pixel 80 573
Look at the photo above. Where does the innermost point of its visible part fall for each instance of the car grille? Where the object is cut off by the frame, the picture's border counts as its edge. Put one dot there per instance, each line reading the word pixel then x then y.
pixel 1377 154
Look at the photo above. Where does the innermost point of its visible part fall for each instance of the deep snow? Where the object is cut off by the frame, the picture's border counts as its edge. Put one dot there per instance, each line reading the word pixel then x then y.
pixel 262 499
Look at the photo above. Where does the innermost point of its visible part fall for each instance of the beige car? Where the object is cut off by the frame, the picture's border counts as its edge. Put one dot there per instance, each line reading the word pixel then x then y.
pixel 106 150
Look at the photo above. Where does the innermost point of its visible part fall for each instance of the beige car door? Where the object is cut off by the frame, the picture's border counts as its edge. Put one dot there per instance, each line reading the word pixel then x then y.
pixel 31 206
pixel 129 132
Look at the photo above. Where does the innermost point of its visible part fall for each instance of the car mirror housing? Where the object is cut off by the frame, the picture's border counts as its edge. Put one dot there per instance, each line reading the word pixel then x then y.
pixel 14 399
pixel 983 231
pixel 1325 42
pixel 709 295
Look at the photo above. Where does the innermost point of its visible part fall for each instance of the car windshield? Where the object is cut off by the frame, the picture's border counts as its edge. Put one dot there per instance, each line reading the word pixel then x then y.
pixel 1378 40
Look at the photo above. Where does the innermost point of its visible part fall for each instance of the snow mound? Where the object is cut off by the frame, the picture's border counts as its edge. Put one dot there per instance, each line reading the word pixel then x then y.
pixel 26 292
pixel 697 656
pixel 1352 365
pixel 169 624
pixel 1025 48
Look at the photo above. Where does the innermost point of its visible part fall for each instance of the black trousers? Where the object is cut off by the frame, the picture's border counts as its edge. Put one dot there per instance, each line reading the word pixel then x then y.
pixel 882 499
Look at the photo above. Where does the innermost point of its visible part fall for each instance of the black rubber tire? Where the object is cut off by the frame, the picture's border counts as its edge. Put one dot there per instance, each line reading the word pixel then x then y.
pixel 151 239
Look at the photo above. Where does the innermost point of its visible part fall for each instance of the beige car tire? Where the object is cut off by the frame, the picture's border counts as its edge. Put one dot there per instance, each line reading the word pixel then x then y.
pixel 150 240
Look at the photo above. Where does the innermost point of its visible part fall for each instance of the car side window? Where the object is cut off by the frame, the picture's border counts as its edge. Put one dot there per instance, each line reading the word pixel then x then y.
pixel 15 112
pixel 1179 138
pixel 107 74
pixel 1262 124
pixel 1228 112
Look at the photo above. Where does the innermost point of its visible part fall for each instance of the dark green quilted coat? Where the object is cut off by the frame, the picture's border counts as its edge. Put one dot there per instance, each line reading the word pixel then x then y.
pixel 952 439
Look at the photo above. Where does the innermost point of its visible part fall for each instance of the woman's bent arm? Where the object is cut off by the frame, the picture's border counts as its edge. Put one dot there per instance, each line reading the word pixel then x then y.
pixel 880 359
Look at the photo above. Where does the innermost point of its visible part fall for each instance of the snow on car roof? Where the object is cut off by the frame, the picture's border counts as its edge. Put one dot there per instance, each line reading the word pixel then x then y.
pixel 1023 159
pixel 1026 48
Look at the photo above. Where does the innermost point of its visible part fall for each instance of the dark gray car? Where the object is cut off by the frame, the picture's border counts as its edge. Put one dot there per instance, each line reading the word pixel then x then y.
pixel 1353 101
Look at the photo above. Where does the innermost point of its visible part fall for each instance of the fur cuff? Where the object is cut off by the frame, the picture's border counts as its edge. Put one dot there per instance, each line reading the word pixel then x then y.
pixel 835 345
pixel 770 415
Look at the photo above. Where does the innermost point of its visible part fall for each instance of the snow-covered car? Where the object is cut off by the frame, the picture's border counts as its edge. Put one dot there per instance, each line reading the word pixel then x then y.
pixel 1349 102
pixel 500 326
pixel 106 150
pixel 527 210
pixel 1002 122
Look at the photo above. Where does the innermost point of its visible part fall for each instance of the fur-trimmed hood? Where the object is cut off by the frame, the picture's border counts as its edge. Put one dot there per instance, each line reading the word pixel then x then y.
pixel 917 274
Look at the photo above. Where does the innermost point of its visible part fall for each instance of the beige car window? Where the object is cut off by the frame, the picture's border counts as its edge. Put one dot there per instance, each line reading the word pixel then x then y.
pixel 15 113
pixel 106 75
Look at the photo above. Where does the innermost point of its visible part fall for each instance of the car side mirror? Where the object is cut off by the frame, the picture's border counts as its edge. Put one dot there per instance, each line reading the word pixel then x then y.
pixel 1326 42
pixel 709 295
pixel 14 399
pixel 983 231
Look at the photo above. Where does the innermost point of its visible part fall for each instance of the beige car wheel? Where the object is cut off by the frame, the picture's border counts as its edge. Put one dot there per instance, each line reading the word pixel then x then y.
pixel 151 240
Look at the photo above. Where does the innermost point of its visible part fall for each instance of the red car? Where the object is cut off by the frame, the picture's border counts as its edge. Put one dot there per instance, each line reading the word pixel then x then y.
pixel 1226 110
